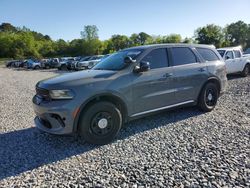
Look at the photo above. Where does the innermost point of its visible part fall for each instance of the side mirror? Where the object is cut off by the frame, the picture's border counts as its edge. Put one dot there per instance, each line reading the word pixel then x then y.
pixel 227 57
pixel 128 60
pixel 144 66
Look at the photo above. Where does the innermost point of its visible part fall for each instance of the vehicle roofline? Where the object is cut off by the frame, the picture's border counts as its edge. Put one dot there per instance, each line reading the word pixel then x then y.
pixel 171 45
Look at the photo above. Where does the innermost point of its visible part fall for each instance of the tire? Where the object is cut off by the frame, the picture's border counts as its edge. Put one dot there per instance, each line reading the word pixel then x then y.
pixel 36 67
pixel 246 70
pixel 64 67
pixel 100 123
pixel 208 97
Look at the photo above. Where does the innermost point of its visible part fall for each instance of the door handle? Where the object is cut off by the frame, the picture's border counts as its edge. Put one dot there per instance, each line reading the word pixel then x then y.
pixel 167 75
pixel 202 69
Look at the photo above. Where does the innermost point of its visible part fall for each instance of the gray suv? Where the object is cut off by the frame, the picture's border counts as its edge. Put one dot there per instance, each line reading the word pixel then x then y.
pixel 129 84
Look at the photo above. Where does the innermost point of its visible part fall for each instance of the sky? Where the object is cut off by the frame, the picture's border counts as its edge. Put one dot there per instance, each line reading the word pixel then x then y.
pixel 66 18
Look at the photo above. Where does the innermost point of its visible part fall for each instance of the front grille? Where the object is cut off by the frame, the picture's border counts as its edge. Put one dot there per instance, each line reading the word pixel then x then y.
pixel 43 93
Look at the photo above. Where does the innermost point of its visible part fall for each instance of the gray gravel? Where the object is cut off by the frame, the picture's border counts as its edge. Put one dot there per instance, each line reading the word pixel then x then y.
pixel 182 148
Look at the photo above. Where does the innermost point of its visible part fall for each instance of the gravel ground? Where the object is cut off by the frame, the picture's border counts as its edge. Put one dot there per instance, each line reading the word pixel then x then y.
pixel 181 148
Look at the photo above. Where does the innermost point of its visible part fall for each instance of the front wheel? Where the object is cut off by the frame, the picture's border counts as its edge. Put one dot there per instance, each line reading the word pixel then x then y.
pixel 246 70
pixel 36 67
pixel 100 123
pixel 208 97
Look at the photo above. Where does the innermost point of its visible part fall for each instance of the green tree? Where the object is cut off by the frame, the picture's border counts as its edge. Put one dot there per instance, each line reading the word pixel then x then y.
pixel 210 34
pixel 188 40
pixel 134 39
pixel 143 37
pixel 120 42
pixel 238 33
pixel 172 38
pixel 90 32
pixel 7 27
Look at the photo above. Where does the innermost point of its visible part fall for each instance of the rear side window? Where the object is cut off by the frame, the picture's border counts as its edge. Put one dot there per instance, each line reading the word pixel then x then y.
pixel 183 56
pixel 157 58
pixel 237 54
pixel 207 54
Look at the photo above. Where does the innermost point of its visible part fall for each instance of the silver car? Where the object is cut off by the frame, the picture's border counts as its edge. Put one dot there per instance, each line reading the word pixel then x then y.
pixel 129 84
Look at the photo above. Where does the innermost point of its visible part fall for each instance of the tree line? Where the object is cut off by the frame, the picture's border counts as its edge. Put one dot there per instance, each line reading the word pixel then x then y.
pixel 16 42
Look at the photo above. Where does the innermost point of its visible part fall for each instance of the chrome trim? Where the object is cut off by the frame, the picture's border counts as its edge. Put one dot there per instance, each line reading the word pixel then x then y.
pixel 162 108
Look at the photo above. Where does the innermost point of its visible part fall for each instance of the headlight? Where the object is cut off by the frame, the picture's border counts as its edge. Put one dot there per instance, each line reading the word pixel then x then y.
pixel 61 94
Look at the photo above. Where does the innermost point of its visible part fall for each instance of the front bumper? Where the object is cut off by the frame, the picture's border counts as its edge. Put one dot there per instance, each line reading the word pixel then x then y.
pixel 53 117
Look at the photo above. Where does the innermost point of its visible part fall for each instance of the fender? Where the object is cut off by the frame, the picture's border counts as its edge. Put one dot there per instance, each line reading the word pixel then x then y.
pixel 103 94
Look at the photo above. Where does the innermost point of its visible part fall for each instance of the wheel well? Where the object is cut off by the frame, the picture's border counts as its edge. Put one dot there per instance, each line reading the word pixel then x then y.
pixel 112 99
pixel 212 80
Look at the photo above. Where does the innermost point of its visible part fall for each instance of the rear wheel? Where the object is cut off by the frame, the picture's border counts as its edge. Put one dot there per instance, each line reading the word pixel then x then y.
pixel 208 97
pixel 64 67
pixel 246 70
pixel 100 123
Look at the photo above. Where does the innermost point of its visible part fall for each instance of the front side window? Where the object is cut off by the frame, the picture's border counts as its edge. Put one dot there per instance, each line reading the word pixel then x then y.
pixel 207 54
pixel 116 60
pixel 157 58
pixel 182 56
pixel 229 55
pixel 237 54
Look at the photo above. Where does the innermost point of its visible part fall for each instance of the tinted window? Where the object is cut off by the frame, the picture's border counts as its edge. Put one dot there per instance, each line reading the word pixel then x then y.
pixel 157 58
pixel 207 54
pixel 229 55
pixel 183 56
pixel 221 52
pixel 237 54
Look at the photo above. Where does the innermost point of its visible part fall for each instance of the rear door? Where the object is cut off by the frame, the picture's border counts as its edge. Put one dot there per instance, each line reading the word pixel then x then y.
pixel 189 74
pixel 153 89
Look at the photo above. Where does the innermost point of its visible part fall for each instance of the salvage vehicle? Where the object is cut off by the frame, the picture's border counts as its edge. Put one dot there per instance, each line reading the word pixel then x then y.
pixel 127 85
pixel 50 63
pixel 32 64
pixel 91 62
pixel 11 63
pixel 235 61
pixel 63 64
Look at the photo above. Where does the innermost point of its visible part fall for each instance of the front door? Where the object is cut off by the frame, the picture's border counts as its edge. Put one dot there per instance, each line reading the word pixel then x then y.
pixel 153 89
pixel 230 62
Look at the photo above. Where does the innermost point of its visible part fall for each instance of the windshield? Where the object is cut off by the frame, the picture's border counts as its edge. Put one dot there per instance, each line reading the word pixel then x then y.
pixel 221 52
pixel 116 60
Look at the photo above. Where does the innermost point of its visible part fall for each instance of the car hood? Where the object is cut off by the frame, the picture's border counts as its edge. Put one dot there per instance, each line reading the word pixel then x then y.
pixel 76 78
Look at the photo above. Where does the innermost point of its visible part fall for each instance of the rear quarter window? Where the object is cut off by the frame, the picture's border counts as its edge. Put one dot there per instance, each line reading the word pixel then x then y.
pixel 207 54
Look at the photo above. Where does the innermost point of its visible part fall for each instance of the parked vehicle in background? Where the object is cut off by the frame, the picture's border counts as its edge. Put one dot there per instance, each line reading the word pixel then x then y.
pixel 32 64
pixel 63 63
pixel 86 58
pixel 91 62
pixel 50 63
pixel 11 63
pixel 129 84
pixel 235 62
pixel 247 51
pixel 45 63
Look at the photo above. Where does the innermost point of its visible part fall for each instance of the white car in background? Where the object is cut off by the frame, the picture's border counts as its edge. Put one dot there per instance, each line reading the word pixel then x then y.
pixel 91 62
pixel 235 61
